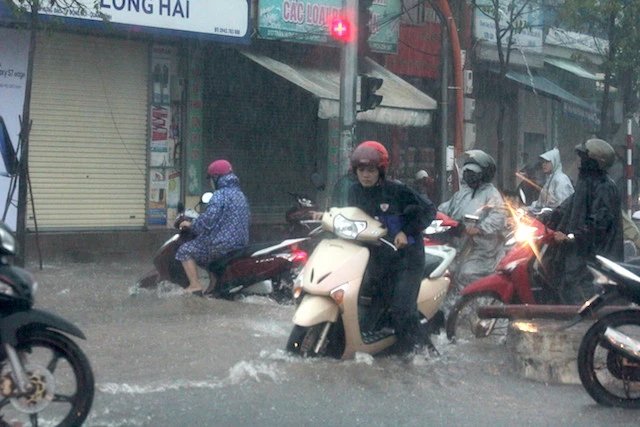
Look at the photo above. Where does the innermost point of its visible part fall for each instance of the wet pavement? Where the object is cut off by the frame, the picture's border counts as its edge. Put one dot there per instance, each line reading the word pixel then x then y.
pixel 161 358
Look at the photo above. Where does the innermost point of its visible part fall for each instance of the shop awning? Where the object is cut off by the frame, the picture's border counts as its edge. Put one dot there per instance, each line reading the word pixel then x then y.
pixel 402 104
pixel 572 104
pixel 572 67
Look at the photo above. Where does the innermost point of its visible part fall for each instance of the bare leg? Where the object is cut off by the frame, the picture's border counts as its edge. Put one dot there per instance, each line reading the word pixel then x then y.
pixel 191 269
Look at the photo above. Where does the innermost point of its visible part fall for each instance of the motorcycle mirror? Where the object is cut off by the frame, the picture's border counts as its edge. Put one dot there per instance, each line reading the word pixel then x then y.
pixel 206 197
pixel 523 196
pixel 317 181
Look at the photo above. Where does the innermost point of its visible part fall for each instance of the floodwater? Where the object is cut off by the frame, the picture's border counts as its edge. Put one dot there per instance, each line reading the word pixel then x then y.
pixel 160 358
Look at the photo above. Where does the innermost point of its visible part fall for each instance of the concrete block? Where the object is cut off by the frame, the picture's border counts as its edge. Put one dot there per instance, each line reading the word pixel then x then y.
pixel 541 352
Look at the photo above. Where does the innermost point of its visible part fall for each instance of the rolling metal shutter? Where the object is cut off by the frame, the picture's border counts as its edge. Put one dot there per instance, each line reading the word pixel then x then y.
pixel 88 146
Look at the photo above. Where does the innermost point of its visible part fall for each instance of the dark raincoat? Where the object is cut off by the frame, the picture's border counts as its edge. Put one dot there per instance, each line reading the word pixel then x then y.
pixel 397 275
pixel 593 215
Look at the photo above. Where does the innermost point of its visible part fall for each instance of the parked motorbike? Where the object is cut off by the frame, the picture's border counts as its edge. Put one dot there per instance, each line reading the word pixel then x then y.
pixel 298 216
pixel 260 268
pixel 511 283
pixel 45 377
pixel 609 353
pixel 336 314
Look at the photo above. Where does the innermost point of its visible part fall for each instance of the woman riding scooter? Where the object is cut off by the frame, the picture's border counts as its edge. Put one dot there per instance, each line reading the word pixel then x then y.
pixel 223 227
pixel 396 275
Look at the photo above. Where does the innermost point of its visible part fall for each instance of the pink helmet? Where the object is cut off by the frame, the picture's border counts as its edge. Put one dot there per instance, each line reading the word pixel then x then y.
pixel 219 167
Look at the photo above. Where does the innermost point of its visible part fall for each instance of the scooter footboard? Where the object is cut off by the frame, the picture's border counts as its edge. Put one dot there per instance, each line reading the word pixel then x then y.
pixel 314 309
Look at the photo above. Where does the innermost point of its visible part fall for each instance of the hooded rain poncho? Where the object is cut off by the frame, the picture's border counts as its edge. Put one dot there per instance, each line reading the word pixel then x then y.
pixel 557 186
pixel 222 227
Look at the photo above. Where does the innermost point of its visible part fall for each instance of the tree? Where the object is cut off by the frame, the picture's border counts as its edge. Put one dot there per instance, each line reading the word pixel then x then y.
pixel 616 22
pixel 509 18
pixel 27 12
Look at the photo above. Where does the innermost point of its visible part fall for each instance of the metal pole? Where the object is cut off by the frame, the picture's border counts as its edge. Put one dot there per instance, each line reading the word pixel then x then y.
pixel 444 114
pixel 629 168
pixel 348 82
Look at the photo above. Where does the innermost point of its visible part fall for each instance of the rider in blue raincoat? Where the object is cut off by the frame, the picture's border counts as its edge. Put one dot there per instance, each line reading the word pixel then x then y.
pixel 221 228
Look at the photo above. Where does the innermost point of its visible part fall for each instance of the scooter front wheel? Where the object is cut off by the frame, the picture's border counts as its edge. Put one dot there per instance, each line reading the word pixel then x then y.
pixel 611 378
pixel 307 341
pixel 61 378
pixel 463 322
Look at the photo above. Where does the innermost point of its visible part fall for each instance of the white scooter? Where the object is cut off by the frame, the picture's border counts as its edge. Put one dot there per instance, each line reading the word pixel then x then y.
pixel 335 315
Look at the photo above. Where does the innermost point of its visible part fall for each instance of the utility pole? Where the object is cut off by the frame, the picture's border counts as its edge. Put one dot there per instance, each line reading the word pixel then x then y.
pixel 348 84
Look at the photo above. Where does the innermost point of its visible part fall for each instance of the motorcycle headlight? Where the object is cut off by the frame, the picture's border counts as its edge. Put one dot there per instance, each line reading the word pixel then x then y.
pixel 525 233
pixel 7 241
pixel 6 289
pixel 346 228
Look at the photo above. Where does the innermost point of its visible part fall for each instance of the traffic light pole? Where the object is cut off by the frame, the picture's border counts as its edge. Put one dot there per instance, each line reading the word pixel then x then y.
pixel 348 83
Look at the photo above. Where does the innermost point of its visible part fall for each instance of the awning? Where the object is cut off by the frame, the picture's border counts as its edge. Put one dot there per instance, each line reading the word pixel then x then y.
pixel 572 67
pixel 572 105
pixel 402 104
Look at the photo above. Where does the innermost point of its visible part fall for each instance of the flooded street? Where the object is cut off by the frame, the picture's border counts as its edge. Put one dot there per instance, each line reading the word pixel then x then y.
pixel 161 358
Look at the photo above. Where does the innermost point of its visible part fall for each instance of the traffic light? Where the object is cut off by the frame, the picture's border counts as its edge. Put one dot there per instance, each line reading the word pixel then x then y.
pixel 340 29
pixel 368 87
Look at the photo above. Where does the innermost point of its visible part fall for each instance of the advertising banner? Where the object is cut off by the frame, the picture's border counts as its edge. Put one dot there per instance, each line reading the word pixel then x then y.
pixel 531 20
pixel 308 22
pixel 224 20
pixel 14 56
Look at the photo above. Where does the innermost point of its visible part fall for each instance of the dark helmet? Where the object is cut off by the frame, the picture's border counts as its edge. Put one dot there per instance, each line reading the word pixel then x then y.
pixel 486 163
pixel 598 150
pixel 370 153
pixel 219 167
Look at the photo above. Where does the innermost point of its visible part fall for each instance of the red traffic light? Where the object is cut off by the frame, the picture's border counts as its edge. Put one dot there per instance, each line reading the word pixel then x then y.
pixel 340 29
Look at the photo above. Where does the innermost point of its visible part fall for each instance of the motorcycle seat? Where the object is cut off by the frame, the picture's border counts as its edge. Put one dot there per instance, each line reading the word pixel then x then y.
pixel 431 263
pixel 217 266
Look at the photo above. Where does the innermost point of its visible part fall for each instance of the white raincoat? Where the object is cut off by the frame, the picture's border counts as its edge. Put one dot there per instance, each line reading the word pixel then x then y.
pixel 557 187
pixel 478 255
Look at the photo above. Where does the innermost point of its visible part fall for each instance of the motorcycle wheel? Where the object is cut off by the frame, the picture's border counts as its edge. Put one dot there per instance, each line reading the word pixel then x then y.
pixel 463 322
pixel 62 378
pixel 303 341
pixel 608 376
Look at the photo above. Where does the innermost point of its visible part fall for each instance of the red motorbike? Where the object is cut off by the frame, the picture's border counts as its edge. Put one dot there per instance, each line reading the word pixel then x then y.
pixel 260 268
pixel 510 284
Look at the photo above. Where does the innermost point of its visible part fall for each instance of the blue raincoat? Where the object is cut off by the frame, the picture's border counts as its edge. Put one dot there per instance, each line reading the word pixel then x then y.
pixel 222 227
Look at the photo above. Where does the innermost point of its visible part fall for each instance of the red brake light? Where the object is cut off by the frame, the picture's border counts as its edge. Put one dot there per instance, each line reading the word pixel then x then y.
pixel 299 256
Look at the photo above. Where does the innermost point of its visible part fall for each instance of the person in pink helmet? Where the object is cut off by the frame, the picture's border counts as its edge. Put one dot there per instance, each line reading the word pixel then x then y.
pixel 220 229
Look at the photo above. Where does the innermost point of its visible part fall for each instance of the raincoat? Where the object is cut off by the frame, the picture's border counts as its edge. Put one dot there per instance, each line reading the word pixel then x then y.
pixel 478 255
pixel 593 215
pixel 222 227
pixel 557 186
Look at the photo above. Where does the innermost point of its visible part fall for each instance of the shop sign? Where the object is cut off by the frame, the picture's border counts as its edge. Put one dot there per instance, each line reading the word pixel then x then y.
pixel 530 19
pixel 220 20
pixel 308 22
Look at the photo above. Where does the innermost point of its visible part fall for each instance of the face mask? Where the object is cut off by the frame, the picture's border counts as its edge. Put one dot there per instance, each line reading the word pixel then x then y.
pixel 473 179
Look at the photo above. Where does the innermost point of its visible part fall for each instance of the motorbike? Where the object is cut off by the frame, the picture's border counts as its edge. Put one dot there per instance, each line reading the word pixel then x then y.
pixel 267 268
pixel 336 313
pixel 519 279
pixel 609 353
pixel 298 216
pixel 45 376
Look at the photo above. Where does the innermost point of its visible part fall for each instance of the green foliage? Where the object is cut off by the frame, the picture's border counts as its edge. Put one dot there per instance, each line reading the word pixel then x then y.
pixel 66 7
